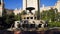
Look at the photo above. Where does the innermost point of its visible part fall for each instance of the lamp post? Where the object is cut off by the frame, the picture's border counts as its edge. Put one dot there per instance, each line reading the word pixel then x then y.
pixel 38 5
pixel 38 13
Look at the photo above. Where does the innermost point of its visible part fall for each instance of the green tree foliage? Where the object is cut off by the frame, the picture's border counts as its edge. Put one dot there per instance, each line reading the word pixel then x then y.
pixel 4 15
pixel 18 17
pixel 49 14
pixel 37 13
pixel 10 18
pixel 7 19
pixel 53 17
pixel 52 14
pixel 23 12
pixel 44 15
pixel 58 17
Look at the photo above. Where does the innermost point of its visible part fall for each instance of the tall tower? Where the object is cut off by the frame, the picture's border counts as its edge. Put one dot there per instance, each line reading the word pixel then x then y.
pixel 30 3
pixel 1 7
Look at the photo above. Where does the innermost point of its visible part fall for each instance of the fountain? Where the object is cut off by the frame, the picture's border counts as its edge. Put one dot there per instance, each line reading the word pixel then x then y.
pixel 16 24
pixel 30 9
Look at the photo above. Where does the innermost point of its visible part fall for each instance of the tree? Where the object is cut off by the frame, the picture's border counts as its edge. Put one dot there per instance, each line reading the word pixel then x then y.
pixel 23 12
pixel 56 10
pixel 58 17
pixel 53 17
pixel 8 19
pixel 37 13
pixel 49 14
pixel 4 16
pixel 45 15
pixel 18 17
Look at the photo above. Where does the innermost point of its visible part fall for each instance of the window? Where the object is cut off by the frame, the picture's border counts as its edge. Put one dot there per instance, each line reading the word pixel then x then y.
pixel 31 17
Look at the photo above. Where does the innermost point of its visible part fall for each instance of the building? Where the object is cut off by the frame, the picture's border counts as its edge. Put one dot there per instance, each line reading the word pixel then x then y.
pixel 30 3
pixel 9 11
pixel 17 11
pixel 44 8
pixel 27 3
pixel 1 7
pixel 57 5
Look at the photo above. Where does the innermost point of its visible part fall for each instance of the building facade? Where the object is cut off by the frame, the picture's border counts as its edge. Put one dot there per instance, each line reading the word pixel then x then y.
pixel 34 3
pixel 30 3
pixel 57 5
pixel 17 11
pixel 1 7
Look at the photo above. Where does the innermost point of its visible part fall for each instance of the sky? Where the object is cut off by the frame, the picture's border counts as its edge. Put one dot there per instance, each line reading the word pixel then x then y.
pixel 12 4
